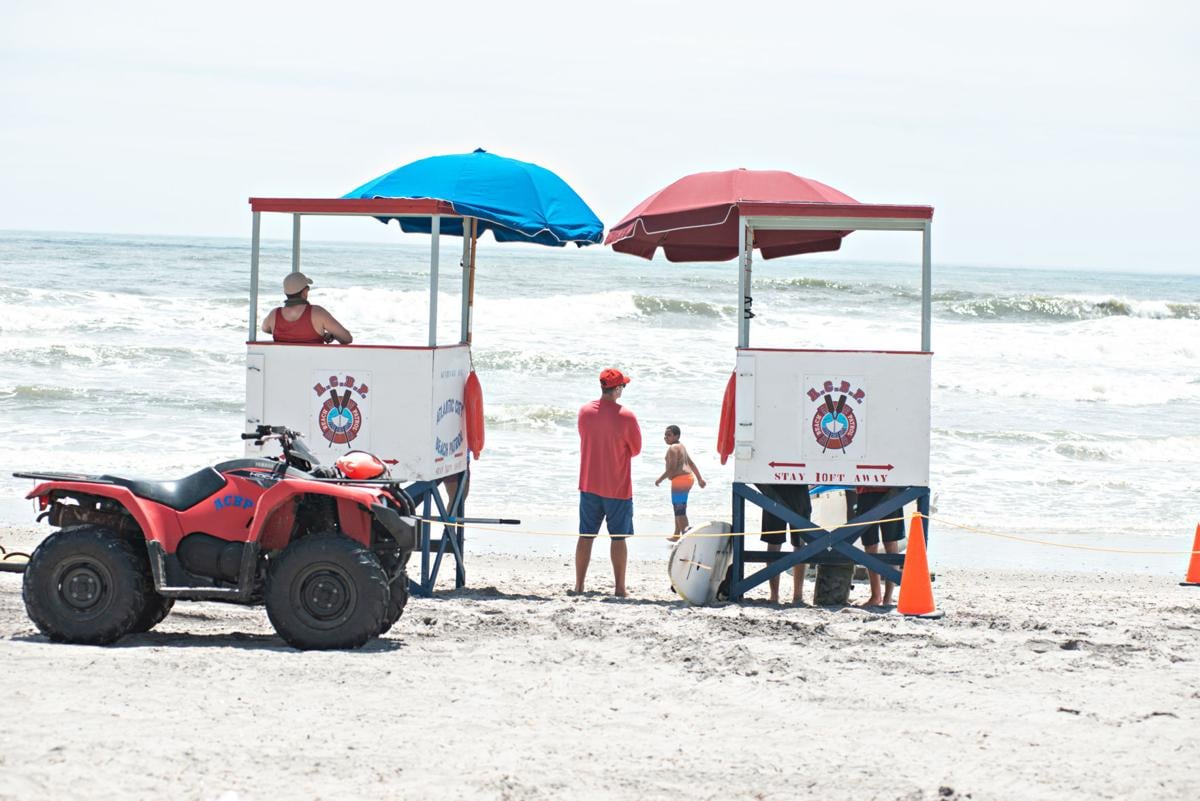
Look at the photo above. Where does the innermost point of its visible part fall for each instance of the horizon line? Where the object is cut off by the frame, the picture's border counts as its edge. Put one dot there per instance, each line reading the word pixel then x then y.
pixel 609 251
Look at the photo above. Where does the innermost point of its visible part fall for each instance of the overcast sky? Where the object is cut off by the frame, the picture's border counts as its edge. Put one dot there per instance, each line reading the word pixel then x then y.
pixel 1045 133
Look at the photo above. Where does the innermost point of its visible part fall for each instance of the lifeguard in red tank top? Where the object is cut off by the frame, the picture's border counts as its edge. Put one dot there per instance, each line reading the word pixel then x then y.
pixel 296 332
pixel 314 326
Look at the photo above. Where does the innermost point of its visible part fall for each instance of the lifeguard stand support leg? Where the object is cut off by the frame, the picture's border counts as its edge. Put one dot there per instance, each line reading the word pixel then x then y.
pixel 449 512
pixel 820 546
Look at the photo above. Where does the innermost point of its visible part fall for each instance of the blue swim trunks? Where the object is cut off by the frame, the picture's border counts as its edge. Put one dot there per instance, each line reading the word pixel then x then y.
pixel 618 512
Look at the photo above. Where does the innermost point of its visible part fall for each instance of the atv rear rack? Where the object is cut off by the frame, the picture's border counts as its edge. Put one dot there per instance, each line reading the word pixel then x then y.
pixel 90 479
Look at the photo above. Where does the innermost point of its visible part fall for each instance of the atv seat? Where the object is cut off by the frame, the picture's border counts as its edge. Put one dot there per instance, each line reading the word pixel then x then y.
pixel 179 495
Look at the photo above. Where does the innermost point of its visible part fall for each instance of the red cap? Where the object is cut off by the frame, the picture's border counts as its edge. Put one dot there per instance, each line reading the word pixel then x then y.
pixel 610 378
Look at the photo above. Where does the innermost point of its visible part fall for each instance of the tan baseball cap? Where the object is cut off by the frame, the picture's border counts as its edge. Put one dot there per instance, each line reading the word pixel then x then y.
pixel 295 283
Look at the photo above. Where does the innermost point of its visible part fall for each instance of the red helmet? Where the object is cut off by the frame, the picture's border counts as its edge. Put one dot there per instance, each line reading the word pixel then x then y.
pixel 361 465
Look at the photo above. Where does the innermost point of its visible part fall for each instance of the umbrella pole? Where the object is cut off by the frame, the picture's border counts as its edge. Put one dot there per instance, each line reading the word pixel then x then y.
pixel 470 315
pixel 464 264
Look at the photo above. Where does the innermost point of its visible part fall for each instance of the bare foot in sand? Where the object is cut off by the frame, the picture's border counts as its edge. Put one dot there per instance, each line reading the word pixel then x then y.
pixel 673 538
pixel 774 599
pixel 887 601
pixel 872 601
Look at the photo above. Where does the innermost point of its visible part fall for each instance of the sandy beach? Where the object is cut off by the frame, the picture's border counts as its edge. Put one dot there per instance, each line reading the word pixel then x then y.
pixel 861 261
pixel 1033 686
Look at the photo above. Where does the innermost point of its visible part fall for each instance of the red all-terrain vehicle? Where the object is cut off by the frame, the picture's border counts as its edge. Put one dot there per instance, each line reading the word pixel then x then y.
pixel 324 549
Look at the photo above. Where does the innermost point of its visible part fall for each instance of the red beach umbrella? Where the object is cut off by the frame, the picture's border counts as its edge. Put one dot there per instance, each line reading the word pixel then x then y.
pixel 696 218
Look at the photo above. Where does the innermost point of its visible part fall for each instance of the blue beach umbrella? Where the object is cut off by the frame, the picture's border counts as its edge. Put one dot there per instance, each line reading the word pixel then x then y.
pixel 515 200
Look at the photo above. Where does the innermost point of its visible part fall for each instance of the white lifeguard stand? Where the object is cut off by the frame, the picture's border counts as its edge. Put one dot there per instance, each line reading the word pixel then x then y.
pixel 839 417
pixel 403 403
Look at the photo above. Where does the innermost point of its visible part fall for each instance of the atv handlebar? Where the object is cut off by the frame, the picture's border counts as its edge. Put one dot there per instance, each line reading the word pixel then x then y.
pixel 295 452
pixel 261 432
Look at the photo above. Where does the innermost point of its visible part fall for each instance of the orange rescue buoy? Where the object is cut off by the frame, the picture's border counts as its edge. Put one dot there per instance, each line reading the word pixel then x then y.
pixel 726 427
pixel 473 411
pixel 360 465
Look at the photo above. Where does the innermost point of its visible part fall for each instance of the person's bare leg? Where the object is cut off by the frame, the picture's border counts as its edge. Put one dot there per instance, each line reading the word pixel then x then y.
pixel 889 586
pixel 773 582
pixel 619 552
pixel 583 555
pixel 798 581
pixel 875 598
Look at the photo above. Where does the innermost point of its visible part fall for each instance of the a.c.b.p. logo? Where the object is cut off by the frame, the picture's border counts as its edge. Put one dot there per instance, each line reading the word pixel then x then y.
pixel 834 413
pixel 342 408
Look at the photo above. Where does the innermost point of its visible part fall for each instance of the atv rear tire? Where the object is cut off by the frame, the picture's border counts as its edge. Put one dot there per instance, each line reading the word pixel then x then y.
pixel 157 608
pixel 326 591
pixel 833 585
pixel 86 584
pixel 397 602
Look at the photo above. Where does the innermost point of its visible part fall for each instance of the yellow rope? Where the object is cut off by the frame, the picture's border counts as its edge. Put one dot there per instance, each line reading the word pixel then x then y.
pixel 1097 548
pixel 938 520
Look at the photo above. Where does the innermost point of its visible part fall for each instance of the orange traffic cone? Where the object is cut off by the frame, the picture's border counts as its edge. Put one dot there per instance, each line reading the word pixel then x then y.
pixel 916 590
pixel 1193 574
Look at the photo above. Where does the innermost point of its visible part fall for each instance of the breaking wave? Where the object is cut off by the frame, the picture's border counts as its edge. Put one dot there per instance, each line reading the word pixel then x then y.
pixel 526 417
pixel 650 306
pixel 30 397
pixel 1087 453
pixel 804 283
pixel 982 306
pixel 527 361
pixel 1039 307
pixel 1184 311
pixel 1051 308
pixel 116 356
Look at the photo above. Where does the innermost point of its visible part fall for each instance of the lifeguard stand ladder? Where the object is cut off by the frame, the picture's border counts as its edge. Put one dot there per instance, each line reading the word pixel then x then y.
pixel 403 403
pixel 828 416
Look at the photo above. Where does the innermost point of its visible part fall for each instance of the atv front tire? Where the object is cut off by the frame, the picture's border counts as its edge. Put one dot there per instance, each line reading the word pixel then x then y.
pixel 86 584
pixel 326 591
pixel 157 608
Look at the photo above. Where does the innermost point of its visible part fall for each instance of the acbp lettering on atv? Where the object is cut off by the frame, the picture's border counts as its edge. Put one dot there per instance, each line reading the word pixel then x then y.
pixel 233 502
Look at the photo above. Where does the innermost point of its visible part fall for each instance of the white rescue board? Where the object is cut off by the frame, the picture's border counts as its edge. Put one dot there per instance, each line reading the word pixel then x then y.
pixel 699 561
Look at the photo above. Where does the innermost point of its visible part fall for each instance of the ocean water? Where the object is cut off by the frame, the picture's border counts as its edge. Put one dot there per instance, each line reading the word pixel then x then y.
pixel 1066 404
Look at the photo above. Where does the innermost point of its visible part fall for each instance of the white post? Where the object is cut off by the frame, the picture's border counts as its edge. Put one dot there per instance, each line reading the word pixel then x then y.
pixel 745 251
pixel 254 241
pixel 926 287
pixel 435 230
pixel 295 243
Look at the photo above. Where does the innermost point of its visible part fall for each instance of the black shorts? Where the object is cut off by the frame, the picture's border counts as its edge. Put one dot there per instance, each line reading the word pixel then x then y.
pixel 794 497
pixel 893 531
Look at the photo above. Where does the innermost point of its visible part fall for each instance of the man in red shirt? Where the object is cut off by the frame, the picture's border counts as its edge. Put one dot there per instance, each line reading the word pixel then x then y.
pixel 609 437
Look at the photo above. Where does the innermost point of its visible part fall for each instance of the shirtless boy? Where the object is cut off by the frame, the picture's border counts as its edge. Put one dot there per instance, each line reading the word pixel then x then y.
pixel 682 472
